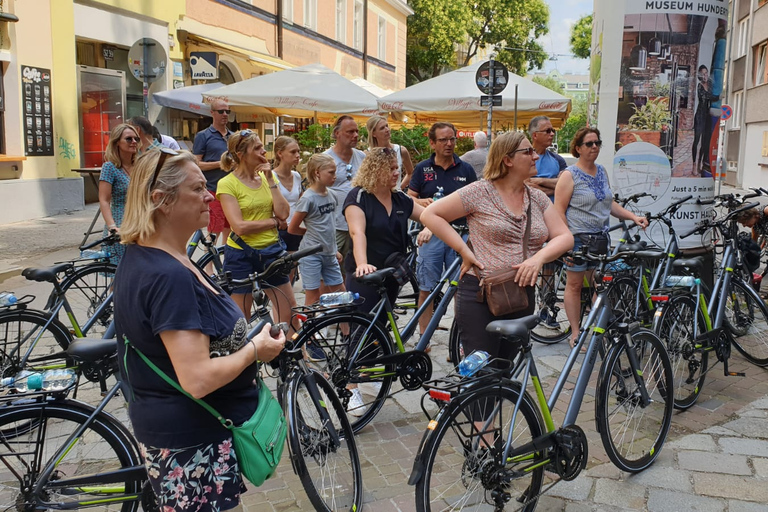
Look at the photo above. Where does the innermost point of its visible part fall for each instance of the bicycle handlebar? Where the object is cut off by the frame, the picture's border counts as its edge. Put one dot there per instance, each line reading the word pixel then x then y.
pixel 283 262
pixel 107 240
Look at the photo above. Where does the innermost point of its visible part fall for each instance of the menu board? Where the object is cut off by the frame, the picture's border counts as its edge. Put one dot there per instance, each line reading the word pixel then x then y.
pixel 38 118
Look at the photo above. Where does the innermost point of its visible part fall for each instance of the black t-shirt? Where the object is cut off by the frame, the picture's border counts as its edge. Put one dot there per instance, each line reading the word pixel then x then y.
pixel 385 234
pixel 154 293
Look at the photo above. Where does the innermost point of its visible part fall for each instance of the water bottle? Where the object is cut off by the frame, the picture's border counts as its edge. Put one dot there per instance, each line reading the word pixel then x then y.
pixel 681 281
pixel 8 299
pixel 439 194
pixel 473 362
pixel 89 254
pixel 334 299
pixel 50 380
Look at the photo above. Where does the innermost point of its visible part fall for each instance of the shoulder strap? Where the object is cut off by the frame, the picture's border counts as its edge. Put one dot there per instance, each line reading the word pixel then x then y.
pixel 225 422
pixel 527 225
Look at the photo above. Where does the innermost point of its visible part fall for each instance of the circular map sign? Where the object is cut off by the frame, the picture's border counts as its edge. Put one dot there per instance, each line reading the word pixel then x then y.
pixel 492 85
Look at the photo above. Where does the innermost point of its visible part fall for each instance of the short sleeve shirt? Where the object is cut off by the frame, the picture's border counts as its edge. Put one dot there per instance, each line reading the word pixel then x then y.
pixel 255 204
pixel 427 176
pixel 343 183
pixel 385 233
pixel 477 159
pixel 211 144
pixel 155 293
pixel 495 232
pixel 320 220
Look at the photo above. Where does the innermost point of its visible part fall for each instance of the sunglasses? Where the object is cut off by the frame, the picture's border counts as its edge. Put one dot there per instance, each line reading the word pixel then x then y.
pixel 528 151
pixel 164 154
pixel 131 140
pixel 222 111
pixel 349 172
pixel 245 133
pixel 591 143
pixel 548 130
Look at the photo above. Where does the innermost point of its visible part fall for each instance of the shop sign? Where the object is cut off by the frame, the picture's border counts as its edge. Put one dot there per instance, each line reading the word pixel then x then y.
pixel 38 118
pixel 108 52
pixel 204 65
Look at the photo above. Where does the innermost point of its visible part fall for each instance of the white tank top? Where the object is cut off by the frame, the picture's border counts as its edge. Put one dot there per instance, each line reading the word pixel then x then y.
pixel 290 195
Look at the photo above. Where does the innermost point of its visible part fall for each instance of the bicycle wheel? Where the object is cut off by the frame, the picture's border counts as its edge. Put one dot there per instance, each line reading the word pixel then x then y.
pixel 750 316
pixel 550 287
pixel 633 434
pixel 455 347
pixel 25 330
pixel 99 453
pixel 86 288
pixel 331 475
pixel 623 294
pixel 679 328
pixel 459 461
pixel 338 336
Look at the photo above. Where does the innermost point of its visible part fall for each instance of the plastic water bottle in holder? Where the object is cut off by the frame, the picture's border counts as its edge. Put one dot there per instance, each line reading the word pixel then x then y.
pixel 337 298
pixel 89 254
pixel 8 299
pixel 681 281
pixel 473 362
pixel 50 380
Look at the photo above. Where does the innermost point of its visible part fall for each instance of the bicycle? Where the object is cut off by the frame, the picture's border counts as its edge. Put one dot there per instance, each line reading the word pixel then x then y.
pixel 320 438
pixel 694 325
pixel 359 349
pixel 491 442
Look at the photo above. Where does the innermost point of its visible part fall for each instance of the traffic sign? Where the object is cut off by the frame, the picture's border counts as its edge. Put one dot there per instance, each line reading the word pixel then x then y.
pixel 499 81
pixel 727 112
pixel 486 100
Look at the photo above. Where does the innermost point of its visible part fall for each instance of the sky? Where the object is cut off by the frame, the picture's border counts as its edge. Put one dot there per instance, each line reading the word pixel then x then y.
pixel 558 39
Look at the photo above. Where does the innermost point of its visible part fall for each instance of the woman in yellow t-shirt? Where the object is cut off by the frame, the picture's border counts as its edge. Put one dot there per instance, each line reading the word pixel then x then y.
pixel 254 207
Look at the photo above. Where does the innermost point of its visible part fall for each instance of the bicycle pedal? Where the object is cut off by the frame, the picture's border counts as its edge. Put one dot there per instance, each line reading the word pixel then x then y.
pixel 737 374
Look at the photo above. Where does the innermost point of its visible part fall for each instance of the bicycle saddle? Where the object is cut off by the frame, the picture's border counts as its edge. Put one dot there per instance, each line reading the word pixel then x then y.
pixel 91 350
pixel 46 274
pixel 376 278
pixel 515 328
pixel 634 246
pixel 696 263
pixel 651 254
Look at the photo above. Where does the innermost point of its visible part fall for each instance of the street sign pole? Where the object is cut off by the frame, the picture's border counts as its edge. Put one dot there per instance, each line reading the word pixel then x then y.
pixel 490 105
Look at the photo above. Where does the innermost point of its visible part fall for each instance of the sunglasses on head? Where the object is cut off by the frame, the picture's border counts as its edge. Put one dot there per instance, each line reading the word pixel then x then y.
pixel 245 133
pixel 222 111
pixel 528 151
pixel 591 143
pixel 548 130
pixel 164 154
pixel 131 140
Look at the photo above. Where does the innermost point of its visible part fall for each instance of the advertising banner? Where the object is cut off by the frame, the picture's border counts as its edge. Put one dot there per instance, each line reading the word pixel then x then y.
pixel 668 84
pixel 38 114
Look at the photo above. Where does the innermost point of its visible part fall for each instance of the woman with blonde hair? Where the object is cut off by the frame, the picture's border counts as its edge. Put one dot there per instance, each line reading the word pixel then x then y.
pixel 191 329
pixel 287 157
pixel 504 215
pixel 254 208
pixel 114 179
pixel 379 137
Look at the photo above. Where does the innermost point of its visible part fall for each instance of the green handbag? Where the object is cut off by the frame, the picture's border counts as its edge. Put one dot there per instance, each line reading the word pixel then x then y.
pixel 259 442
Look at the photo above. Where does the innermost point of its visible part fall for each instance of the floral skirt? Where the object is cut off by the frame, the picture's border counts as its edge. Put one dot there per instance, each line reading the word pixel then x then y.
pixel 200 478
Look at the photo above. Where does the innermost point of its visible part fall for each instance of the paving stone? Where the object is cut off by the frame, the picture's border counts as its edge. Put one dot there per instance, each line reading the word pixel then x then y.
pixel 760 404
pixel 751 427
pixel 710 405
pixel 719 431
pixel 754 447
pixel 695 442
pixel 664 477
pixel 607 470
pixel 620 494
pixel 728 486
pixel 746 506
pixel 761 467
pixel 714 462
pixel 662 500
pixel 575 490
pixel 577 507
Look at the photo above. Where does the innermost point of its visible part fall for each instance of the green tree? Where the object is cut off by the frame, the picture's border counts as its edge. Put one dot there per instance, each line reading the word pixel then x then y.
pixel 577 119
pixel 438 26
pixel 550 83
pixel 581 37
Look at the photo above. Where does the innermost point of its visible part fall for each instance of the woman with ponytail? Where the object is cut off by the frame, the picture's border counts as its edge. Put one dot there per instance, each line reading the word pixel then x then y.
pixel 254 208
pixel 287 157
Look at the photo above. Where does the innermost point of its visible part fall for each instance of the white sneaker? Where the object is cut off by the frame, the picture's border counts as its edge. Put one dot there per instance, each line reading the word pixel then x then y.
pixel 356 406
pixel 370 388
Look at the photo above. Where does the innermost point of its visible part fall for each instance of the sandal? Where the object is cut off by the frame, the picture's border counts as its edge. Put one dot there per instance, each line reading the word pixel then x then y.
pixel 572 344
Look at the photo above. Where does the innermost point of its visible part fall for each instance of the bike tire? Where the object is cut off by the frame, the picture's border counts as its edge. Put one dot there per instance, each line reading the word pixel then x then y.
pixel 751 313
pixel 19 329
pixel 677 328
pixel 623 291
pixel 455 347
pixel 455 456
pixel 104 447
pixel 331 475
pixel 86 289
pixel 633 435
pixel 549 304
pixel 328 334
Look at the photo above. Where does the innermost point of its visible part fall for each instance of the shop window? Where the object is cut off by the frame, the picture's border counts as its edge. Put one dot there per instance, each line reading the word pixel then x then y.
pixel 134 96
pixel 102 98
pixel 761 70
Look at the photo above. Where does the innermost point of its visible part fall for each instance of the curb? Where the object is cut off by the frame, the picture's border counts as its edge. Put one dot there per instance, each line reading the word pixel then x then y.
pixel 8 273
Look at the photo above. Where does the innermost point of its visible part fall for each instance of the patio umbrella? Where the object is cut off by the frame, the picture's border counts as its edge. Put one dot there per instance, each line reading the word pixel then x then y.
pixel 306 91
pixel 190 99
pixel 454 97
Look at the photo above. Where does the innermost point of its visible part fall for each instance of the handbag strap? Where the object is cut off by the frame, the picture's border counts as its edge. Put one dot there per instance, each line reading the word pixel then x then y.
pixel 225 422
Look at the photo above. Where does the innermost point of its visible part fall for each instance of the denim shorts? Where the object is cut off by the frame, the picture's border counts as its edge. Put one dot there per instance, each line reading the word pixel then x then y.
pixel 320 266
pixel 434 257
pixel 578 264
pixel 241 265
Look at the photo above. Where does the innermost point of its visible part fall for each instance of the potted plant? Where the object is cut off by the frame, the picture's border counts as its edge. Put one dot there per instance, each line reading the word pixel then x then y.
pixel 647 123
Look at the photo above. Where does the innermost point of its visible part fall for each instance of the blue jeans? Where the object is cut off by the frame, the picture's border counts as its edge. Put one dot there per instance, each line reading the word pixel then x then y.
pixel 434 257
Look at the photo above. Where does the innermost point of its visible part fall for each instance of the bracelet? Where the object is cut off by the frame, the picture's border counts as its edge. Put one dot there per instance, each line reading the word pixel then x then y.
pixel 255 352
pixel 273 186
pixel 112 226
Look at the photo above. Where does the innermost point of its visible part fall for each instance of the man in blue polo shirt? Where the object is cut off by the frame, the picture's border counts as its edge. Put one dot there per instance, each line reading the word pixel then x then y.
pixel 209 145
pixel 445 170
pixel 550 164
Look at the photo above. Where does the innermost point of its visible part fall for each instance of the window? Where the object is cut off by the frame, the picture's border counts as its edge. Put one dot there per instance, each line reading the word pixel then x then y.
pixel 341 20
pixel 310 14
pixel 357 26
pixel 743 43
pixel 288 10
pixel 382 38
pixel 760 67
pixel 738 97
